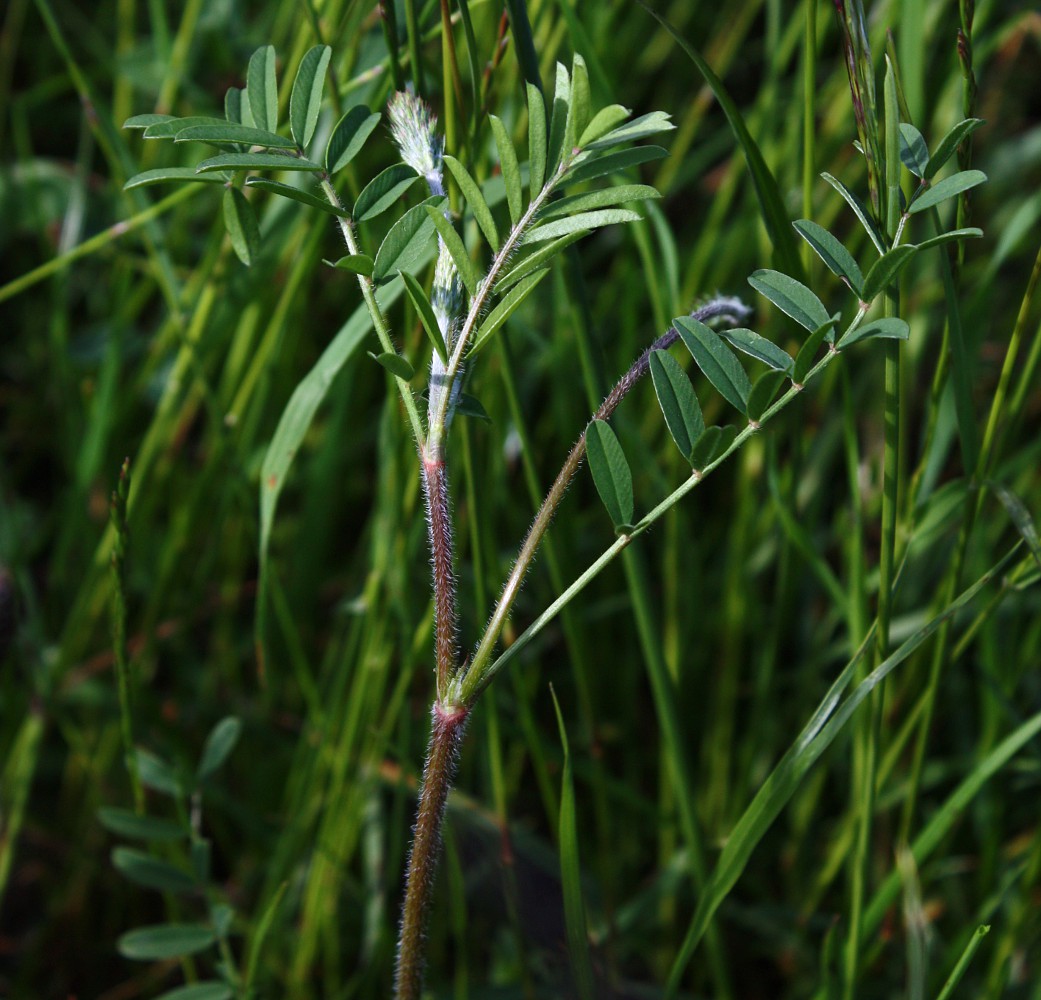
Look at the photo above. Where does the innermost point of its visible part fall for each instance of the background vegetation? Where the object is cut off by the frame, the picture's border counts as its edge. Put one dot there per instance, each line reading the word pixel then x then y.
pixel 132 332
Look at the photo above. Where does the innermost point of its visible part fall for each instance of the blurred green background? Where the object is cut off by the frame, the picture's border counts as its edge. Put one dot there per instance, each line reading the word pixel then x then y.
pixel 135 334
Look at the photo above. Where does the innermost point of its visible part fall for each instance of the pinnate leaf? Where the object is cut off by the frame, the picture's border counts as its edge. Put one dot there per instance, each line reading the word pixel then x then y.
pixel 230 132
pixel 604 121
pixel 395 364
pixel 913 151
pixel 219 745
pixel 151 872
pixel 536 140
pixel 889 327
pixel 808 352
pixel 211 989
pixel 759 348
pixel 169 127
pixel 161 941
pixel 715 360
pixel 167 175
pixel 406 241
pixel 791 297
pixel 296 194
pixel 358 263
pixel 947 146
pixel 262 88
pixel 885 270
pixel 583 220
pixel 127 823
pixel 602 198
pixel 614 481
pixel 511 301
pixel 306 99
pixel 383 191
pixel 589 168
pixel 639 128
pixel 955 234
pixel 764 389
pixel 860 210
pixel 241 223
pixel 678 402
pixel 510 172
pixel 425 311
pixel 257 161
pixel 349 136
pixel 837 258
pixel 454 245
pixel 144 121
pixel 473 197
pixel 537 259
pixel 947 188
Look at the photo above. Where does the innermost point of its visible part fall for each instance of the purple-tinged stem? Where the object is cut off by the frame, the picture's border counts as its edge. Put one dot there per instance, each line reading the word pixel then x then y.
pixel 439 524
pixel 446 736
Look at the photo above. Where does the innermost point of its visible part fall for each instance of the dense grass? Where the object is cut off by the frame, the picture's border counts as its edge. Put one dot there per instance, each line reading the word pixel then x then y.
pixel 683 673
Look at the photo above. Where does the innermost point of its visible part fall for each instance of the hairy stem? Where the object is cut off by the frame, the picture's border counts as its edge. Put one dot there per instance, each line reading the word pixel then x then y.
pixel 446 736
pixel 471 683
pixel 439 524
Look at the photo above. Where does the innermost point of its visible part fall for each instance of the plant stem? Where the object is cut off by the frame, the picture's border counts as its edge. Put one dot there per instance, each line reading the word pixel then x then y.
pixel 368 292
pixel 439 523
pixel 446 735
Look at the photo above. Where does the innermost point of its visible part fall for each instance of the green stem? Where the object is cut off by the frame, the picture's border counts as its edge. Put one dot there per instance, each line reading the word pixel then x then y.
pixel 368 291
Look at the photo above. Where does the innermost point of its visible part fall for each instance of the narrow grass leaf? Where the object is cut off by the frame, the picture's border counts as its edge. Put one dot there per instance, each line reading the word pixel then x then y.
pixel 425 311
pixel 384 190
pixel 536 140
pixel 837 258
pixel 473 197
pixel 888 327
pixel 860 210
pixel 578 110
pixel 914 153
pixel 212 989
pixel 169 127
pixel 263 927
pixel 161 941
pixel 583 220
pixel 296 194
pixel 219 745
pixel 571 870
pixel 233 133
pixel 827 721
pixel 262 88
pixel 1017 510
pixel 970 233
pixel 947 146
pixel 349 136
pixel 151 872
pixel 759 348
pixel 257 161
pixel 303 404
pixel 951 813
pixel 510 172
pixel 535 260
pixel 588 168
pixel 678 402
pixel 716 361
pixel 791 296
pixel 604 121
pixel 395 364
pixel 170 175
pixel 558 118
pixel 358 263
pixel 764 389
pixel 962 964
pixel 947 188
pixel 643 127
pixel 511 301
pixel 771 204
pixel 144 121
pixel 614 481
pixel 885 270
pixel 808 352
pixel 306 99
pixel 454 245
pixel 241 224
pixel 406 241
pixel 603 198
pixel 127 823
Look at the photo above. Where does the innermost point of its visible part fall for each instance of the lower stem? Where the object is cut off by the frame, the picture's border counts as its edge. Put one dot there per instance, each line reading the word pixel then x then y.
pixel 446 737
